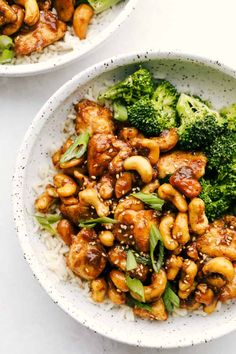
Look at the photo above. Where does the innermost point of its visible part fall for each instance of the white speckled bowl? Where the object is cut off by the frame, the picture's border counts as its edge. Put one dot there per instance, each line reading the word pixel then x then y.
pixel 197 75
pixel 111 22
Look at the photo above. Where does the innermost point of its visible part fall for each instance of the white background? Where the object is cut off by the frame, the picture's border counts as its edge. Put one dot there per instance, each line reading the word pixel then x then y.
pixel 29 321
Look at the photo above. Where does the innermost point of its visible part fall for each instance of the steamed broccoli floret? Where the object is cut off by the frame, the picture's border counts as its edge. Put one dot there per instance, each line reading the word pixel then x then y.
pixel 143 116
pixel 219 192
pixel 166 98
pixel 102 5
pixel 134 87
pixel 229 113
pixel 152 116
pixel 222 152
pixel 199 124
pixel 216 199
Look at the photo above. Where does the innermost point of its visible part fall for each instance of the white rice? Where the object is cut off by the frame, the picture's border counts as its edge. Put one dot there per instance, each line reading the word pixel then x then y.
pixel 69 43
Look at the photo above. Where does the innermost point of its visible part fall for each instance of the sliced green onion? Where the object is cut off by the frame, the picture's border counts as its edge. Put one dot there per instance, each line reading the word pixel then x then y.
pixel 151 199
pixel 5 42
pixel 120 111
pixel 93 222
pixel 52 218
pixel 46 221
pixel 133 302
pixel 102 5
pixel 77 149
pixel 170 299
pixel 154 238
pixel 136 286
pixel 130 261
pixel 6 56
pixel 142 259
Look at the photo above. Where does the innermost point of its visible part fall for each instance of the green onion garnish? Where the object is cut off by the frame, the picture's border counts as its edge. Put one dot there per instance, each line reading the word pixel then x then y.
pixel 77 149
pixel 155 237
pixel 133 302
pixel 170 299
pixel 136 287
pixel 151 199
pixel 47 221
pixel 93 222
pixel 120 111
pixel 130 261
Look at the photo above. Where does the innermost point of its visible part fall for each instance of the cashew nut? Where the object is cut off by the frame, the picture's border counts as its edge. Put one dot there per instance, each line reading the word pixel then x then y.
pixel 216 281
pixel 107 238
pixel 141 165
pixel 167 140
pixel 65 230
pixel 169 193
pixel 157 311
pixel 43 202
pixel 155 290
pixel 151 187
pixel 69 200
pixel 98 289
pixel 180 229
pixel 229 290
pixel 106 187
pixel 220 265
pixel 188 274
pixel 172 266
pixel 128 203
pixel 211 307
pixel 81 19
pixel 119 280
pixel 123 184
pixel 151 145
pixel 204 295
pixel 192 251
pixel 165 228
pixel 89 196
pixel 12 28
pixel 65 9
pixel 115 295
pixel 66 186
pixel 197 217
pixel 8 14
pixel 31 11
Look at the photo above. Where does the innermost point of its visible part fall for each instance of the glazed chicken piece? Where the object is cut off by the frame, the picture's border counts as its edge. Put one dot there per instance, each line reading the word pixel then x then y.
pixel 106 152
pixel 87 257
pixel 77 212
pixel 134 228
pixel 170 162
pixel 93 118
pixel 220 239
pixel 106 186
pixel 47 31
pixel 185 181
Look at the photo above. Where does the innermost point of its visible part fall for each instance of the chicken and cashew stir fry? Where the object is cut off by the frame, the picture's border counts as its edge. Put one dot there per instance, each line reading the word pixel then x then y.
pixel 132 210
pixel 28 26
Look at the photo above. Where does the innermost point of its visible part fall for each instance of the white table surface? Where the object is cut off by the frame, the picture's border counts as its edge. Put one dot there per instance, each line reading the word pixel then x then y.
pixel 30 323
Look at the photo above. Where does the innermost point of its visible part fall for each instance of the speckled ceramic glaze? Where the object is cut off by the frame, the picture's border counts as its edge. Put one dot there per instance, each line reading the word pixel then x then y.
pixel 111 22
pixel 199 76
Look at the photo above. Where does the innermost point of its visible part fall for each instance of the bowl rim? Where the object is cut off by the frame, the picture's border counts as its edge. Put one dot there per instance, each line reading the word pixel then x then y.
pixel 21 162
pixel 52 64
